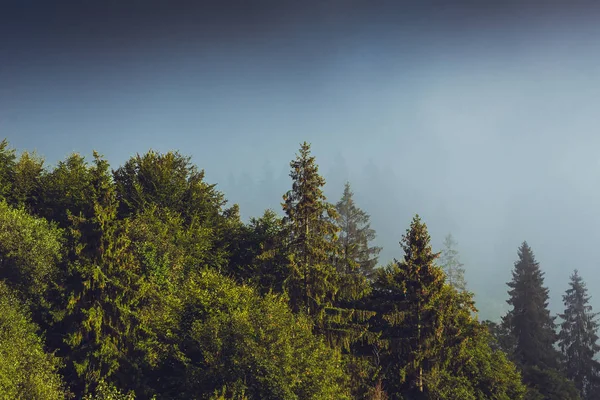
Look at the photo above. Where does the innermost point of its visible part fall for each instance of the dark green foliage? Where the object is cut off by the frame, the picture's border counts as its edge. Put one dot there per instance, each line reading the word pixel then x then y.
pixel 107 391
pixel 100 311
pixel 429 344
pixel 70 189
pixel 407 293
pixel 309 222
pixel 7 169
pixel 126 274
pixel 450 263
pixel 548 384
pixel 501 336
pixel 261 257
pixel 30 249
pixel 529 318
pixel 171 181
pixel 578 338
pixel 533 331
pixel 27 372
pixel 29 172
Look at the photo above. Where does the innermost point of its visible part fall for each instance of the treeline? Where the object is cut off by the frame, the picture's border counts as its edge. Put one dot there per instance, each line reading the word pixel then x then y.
pixel 140 282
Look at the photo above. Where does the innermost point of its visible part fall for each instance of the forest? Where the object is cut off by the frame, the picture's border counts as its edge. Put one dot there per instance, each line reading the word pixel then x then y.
pixel 143 282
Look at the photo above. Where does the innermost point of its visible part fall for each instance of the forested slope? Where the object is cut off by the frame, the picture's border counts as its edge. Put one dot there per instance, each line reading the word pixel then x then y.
pixel 141 282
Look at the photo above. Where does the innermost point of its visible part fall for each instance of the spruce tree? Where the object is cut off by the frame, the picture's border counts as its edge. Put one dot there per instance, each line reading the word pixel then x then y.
pixel 406 297
pixel 450 263
pixel 578 337
pixel 104 290
pixel 530 320
pixel 355 236
pixel 533 331
pixel 311 229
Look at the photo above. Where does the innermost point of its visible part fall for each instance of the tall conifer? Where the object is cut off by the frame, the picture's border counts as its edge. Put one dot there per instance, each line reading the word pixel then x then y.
pixel 533 330
pixel 578 338
pixel 408 292
pixel 356 255
pixel 309 220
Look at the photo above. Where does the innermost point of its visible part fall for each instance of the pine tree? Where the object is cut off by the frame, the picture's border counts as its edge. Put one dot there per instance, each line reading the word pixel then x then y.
pixel 355 236
pixel 309 220
pixel 578 337
pixel 450 263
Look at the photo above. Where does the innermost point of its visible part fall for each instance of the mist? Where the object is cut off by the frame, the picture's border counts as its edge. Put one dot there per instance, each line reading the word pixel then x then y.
pixel 481 120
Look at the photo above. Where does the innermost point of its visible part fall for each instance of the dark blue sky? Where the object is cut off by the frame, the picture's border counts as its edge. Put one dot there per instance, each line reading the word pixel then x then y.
pixel 482 119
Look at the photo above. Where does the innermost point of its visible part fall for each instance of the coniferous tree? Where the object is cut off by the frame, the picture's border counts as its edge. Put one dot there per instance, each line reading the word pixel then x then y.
pixel 311 230
pixel 450 262
pixel 531 323
pixel 578 338
pixel 408 291
pixel 356 254
pixel 533 330
pixel 172 181
pixel 7 169
pixel 29 171
pixel 105 288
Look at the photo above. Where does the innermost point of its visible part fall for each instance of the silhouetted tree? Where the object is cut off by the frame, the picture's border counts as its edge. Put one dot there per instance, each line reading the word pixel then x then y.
pixel 578 338
pixel 533 330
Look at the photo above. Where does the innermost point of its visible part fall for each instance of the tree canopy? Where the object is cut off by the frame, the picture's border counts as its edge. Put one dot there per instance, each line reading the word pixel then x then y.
pixel 142 282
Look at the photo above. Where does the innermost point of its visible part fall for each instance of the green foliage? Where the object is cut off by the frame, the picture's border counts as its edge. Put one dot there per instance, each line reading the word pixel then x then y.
pixel 261 258
pixel 29 172
pixel 533 333
pixel 107 391
pixel 548 384
pixel 253 345
pixel 100 310
pixel 407 294
pixel 125 272
pixel 30 249
pixel 171 181
pixel 578 338
pixel 27 372
pixel 313 281
pixel 531 324
pixel 70 189
pixel 7 169
pixel 450 263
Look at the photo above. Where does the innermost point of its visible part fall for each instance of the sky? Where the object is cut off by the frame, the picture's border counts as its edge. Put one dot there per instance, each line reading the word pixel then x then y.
pixel 482 119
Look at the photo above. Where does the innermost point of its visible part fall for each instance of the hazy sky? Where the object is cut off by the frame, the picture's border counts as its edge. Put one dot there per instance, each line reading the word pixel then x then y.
pixel 482 120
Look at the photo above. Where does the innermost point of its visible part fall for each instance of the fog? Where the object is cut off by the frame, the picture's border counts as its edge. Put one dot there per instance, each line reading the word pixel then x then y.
pixel 483 121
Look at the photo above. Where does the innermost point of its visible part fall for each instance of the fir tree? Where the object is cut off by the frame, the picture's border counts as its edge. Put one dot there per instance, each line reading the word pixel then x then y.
pixel 450 263
pixel 530 320
pixel 407 292
pixel 355 236
pixel 309 220
pixel 533 330
pixel 578 337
